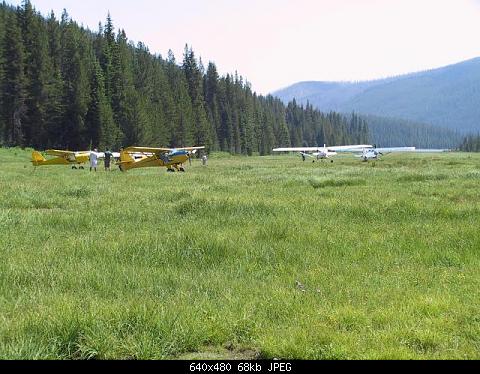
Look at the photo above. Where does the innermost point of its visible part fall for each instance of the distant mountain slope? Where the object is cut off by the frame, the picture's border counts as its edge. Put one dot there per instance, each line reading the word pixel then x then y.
pixel 448 97
pixel 394 132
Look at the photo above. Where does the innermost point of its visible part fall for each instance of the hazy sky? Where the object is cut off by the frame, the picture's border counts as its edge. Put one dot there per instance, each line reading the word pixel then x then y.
pixel 274 43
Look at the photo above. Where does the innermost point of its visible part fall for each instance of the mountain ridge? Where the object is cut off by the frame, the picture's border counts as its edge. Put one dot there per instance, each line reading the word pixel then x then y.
pixel 444 97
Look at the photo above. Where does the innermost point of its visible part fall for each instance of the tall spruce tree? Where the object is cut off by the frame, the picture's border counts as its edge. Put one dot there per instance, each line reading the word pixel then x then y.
pixel 37 70
pixel 3 12
pixel 76 88
pixel 13 91
pixel 194 77
pixel 55 87
pixel 100 129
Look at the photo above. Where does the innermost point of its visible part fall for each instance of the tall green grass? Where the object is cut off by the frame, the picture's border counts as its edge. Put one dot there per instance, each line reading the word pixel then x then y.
pixel 150 265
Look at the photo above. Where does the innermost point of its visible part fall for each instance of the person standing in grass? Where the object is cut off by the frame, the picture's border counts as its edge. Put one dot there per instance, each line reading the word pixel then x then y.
pixel 94 160
pixel 108 160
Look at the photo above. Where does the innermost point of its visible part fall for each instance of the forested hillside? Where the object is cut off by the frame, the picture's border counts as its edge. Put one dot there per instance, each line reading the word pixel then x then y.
pixel 64 86
pixel 471 143
pixel 394 132
pixel 447 97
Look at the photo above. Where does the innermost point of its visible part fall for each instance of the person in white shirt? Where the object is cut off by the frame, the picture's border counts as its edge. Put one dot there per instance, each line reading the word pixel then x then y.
pixel 94 160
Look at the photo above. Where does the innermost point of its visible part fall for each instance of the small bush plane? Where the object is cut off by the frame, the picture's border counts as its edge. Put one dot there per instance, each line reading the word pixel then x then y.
pixel 319 153
pixel 76 159
pixel 143 157
pixel 374 153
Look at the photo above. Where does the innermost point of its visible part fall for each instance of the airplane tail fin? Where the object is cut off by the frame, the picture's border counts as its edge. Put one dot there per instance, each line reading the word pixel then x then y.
pixel 126 160
pixel 37 158
pixel 126 157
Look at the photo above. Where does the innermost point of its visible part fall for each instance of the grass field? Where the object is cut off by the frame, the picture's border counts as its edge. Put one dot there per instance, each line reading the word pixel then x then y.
pixel 246 258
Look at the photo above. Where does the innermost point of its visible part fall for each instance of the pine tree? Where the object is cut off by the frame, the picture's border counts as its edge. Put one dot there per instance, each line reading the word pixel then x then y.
pixel 3 14
pixel 13 90
pixel 55 88
pixel 128 113
pixel 36 73
pixel 76 91
pixel 211 81
pixel 101 131
pixel 194 77
pixel 106 53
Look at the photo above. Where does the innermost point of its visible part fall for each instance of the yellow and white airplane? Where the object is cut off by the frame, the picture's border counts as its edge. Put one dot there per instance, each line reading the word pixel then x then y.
pixel 76 159
pixel 144 157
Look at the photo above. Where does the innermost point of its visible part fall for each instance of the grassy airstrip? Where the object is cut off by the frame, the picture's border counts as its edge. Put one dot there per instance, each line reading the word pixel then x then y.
pixel 247 258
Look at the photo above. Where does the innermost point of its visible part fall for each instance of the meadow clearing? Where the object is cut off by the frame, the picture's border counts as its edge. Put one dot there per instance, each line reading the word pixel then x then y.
pixel 263 257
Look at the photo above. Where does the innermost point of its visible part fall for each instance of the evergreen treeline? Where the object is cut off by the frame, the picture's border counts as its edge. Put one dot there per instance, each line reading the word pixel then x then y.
pixel 64 86
pixel 395 132
pixel 471 143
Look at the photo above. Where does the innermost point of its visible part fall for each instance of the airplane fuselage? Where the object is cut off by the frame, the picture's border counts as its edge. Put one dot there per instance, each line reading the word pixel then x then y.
pixel 71 159
pixel 370 154
pixel 169 160
pixel 323 155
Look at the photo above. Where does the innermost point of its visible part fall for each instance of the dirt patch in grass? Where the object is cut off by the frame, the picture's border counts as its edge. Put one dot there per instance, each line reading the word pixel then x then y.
pixel 212 353
pixel 324 183
pixel 77 192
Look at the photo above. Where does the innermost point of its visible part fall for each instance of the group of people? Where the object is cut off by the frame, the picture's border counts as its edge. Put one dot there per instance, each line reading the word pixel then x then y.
pixel 94 156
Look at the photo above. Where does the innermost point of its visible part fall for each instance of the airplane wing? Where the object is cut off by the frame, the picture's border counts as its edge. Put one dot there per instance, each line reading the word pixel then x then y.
pixel 101 155
pixel 343 148
pixel 395 150
pixel 306 149
pixel 350 148
pixel 188 149
pixel 53 152
pixel 147 150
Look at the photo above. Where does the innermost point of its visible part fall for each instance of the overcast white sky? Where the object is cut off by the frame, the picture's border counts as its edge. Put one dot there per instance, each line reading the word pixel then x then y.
pixel 275 43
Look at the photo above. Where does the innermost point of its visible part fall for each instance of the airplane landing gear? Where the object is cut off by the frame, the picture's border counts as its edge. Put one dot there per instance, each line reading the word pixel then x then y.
pixel 74 168
pixel 170 170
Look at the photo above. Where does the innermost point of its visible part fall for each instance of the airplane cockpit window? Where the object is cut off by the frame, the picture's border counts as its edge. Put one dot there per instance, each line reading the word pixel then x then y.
pixel 164 157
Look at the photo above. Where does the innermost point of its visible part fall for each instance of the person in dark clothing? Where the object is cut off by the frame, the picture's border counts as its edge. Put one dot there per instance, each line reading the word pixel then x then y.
pixel 108 160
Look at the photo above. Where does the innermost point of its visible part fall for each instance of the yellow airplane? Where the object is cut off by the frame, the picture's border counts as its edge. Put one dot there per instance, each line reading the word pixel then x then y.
pixel 61 158
pixel 144 157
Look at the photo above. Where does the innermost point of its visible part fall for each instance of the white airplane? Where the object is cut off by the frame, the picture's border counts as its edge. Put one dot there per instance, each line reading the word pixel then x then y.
pixel 373 153
pixel 319 153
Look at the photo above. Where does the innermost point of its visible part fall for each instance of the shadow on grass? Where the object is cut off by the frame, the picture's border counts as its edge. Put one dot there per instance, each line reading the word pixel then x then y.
pixel 421 178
